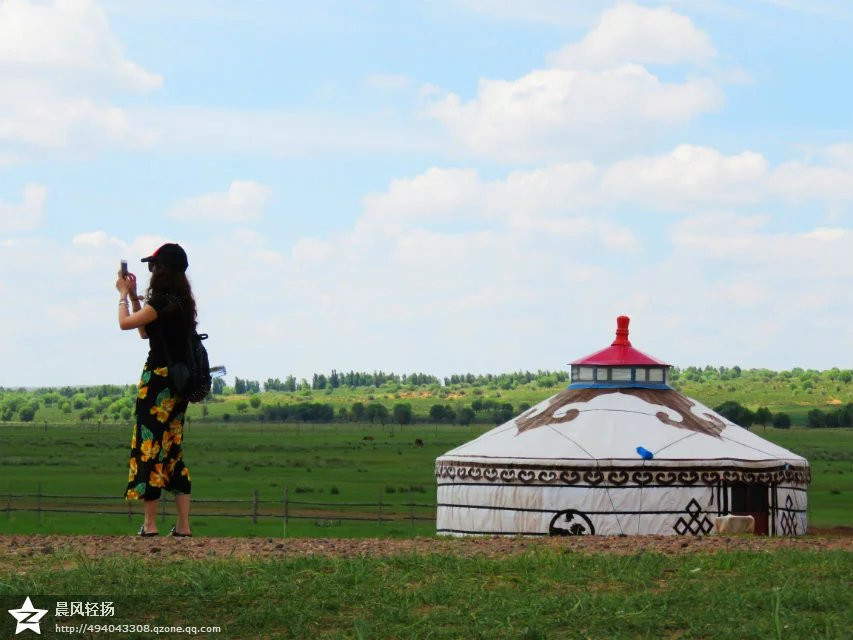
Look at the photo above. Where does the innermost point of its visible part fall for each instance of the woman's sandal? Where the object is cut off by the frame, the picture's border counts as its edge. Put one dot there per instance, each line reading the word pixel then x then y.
pixel 146 534
pixel 174 533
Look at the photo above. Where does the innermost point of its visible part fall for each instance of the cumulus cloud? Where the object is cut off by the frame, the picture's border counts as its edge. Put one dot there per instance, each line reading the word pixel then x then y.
pixel 689 176
pixel 629 33
pixel 59 63
pixel 562 112
pixel 26 215
pixel 245 200
pixel 67 36
pixel 597 95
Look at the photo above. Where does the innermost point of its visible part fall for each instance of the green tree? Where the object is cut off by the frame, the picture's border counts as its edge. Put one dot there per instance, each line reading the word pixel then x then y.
pixel 466 416
pixel 255 401
pixel 357 411
pixel 242 407
pixel 782 421
pixel 402 413
pixel 763 417
pixel 437 413
pixel 816 419
pixel 449 413
pixel 737 413
pixel 382 414
pixel 218 386
pixel 502 413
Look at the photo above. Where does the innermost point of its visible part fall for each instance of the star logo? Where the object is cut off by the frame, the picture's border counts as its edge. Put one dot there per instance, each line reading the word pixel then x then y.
pixel 28 617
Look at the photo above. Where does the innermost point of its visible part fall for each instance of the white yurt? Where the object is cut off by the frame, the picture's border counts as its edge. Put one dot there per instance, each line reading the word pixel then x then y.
pixel 619 452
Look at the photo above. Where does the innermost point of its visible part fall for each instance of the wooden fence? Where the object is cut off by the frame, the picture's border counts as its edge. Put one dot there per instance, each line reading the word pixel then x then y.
pixel 252 508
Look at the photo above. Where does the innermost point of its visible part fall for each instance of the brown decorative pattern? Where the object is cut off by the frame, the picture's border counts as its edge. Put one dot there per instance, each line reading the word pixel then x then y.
pixel 708 423
pixel 619 476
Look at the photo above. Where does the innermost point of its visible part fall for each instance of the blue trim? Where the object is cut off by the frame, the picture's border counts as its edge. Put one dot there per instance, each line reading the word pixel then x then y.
pixel 614 384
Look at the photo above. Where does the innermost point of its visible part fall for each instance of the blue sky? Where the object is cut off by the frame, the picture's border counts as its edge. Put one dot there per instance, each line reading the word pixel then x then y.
pixel 442 186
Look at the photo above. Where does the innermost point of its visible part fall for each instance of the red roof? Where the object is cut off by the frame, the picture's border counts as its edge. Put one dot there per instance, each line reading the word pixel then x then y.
pixel 620 353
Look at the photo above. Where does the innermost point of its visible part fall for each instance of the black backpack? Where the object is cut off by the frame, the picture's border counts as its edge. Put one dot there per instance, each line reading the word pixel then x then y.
pixel 190 375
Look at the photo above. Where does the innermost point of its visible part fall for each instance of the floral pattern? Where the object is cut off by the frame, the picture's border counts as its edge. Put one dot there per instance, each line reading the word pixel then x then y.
pixel 156 451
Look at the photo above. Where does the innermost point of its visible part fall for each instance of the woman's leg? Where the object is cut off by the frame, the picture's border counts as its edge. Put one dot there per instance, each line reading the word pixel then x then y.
pixel 182 504
pixel 150 523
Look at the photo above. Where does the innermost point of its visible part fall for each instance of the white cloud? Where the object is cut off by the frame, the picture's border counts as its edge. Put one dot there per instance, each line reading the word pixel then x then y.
pixel 67 37
pixel 629 33
pixel 689 176
pixel 58 63
pixel 555 113
pixel 799 181
pixel 277 132
pixel 596 98
pixel 97 239
pixel 244 201
pixel 28 214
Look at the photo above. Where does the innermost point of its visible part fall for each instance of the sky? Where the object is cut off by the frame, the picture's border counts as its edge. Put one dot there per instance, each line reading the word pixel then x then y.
pixel 440 186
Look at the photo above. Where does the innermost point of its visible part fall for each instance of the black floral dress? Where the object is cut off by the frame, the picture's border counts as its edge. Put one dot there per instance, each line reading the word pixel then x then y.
pixel 156 449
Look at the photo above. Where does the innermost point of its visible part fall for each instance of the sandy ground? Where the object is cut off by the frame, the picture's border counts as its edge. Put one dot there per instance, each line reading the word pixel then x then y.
pixel 20 550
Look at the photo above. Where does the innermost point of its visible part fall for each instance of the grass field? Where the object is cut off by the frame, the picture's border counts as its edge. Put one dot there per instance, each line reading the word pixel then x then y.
pixel 338 463
pixel 534 595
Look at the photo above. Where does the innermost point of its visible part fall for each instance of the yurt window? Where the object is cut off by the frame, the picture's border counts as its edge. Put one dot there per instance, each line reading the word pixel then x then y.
pixel 640 375
pixel 622 375
pixel 584 373
pixel 601 373
pixel 655 375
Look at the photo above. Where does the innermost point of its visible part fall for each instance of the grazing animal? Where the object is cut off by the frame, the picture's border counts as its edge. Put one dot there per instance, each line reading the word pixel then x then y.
pixel 367 438
pixel 419 442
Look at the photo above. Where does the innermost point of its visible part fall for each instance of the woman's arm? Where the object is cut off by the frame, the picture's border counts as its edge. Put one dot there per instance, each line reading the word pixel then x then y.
pixel 135 307
pixel 140 316
pixel 137 319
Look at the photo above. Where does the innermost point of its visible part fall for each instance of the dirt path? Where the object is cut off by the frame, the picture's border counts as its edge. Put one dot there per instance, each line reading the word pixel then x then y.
pixel 17 550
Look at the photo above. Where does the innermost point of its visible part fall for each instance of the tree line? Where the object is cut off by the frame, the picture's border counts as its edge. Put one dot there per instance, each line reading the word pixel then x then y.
pixel 842 417
pixel 485 411
pixel 376 379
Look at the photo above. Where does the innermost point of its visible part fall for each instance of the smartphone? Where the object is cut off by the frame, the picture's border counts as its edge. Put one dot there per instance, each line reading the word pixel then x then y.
pixel 124 268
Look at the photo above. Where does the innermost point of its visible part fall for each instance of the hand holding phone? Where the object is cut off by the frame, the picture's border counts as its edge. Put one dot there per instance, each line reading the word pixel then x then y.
pixel 124 268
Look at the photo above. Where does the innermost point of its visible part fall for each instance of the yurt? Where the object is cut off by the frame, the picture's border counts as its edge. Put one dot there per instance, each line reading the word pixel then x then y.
pixel 619 452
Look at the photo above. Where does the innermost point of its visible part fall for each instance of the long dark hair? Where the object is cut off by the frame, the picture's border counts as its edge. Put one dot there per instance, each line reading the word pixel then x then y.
pixel 165 280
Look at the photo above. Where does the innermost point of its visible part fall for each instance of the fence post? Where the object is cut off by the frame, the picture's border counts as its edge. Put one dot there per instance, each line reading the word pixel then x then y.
pixel 412 513
pixel 255 507
pixel 9 503
pixel 38 509
pixel 286 510
pixel 379 510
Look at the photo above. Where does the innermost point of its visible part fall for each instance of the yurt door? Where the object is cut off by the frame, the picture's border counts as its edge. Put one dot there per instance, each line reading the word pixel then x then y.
pixel 751 500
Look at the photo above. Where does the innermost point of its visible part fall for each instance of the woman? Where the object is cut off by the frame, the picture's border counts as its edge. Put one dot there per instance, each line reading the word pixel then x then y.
pixel 156 450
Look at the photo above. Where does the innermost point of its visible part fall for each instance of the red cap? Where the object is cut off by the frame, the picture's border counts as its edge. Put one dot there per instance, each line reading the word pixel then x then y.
pixel 620 352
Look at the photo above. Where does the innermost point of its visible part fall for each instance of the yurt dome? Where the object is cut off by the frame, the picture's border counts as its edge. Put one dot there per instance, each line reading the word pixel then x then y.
pixel 619 452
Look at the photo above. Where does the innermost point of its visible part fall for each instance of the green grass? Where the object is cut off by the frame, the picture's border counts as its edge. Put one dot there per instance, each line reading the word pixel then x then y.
pixel 539 594
pixel 321 463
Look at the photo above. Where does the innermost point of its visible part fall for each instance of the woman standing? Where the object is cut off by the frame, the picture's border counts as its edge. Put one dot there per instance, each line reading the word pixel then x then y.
pixel 156 450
